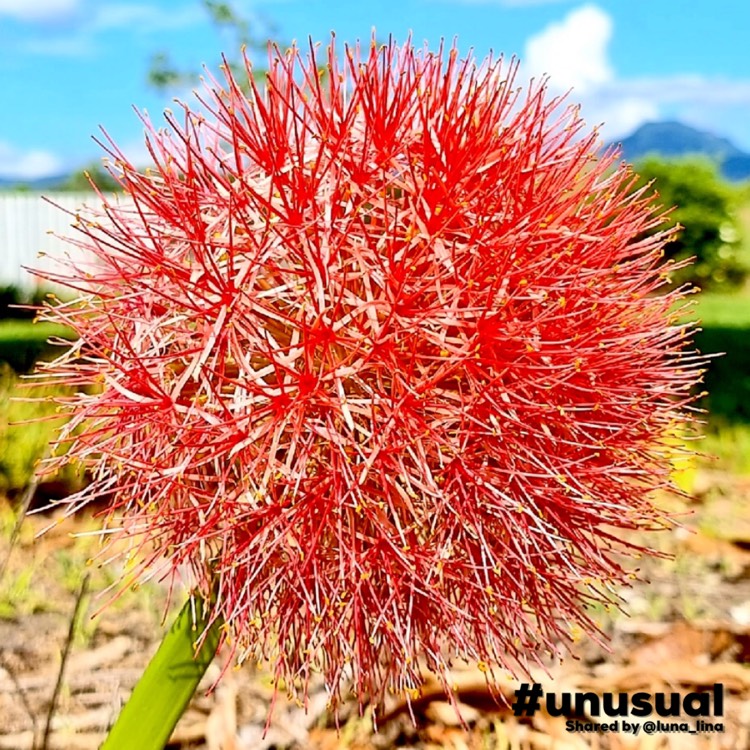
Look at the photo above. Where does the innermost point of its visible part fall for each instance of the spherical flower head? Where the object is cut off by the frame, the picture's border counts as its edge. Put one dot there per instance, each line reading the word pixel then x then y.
pixel 380 357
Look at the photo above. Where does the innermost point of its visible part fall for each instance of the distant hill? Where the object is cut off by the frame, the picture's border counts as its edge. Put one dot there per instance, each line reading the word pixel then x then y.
pixel 43 183
pixel 674 139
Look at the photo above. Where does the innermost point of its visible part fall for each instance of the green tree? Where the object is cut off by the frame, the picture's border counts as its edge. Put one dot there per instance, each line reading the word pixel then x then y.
pixel 79 181
pixel 704 206
pixel 239 33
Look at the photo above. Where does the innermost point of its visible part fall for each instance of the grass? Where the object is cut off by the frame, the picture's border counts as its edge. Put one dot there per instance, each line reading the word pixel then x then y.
pixel 727 447
pixel 15 330
pixel 724 334
pixel 725 320
pixel 714 310
pixel 26 430
pixel 44 573
pixel 23 342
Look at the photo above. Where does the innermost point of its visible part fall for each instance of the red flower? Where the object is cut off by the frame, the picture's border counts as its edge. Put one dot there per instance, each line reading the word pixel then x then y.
pixel 381 354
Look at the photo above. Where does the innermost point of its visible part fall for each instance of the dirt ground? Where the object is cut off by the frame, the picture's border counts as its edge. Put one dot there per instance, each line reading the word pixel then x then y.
pixel 686 629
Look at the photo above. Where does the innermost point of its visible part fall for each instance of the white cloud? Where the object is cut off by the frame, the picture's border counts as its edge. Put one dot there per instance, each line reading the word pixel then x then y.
pixel 39 10
pixel 715 104
pixel 136 152
pixel 143 18
pixel 507 3
pixel 620 118
pixel 82 38
pixel 65 46
pixel 687 89
pixel 573 52
pixel 523 3
pixel 137 17
pixel 28 165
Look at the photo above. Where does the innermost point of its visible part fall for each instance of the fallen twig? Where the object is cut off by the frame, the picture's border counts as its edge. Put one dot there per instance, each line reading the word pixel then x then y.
pixel 23 696
pixel 66 651
pixel 26 499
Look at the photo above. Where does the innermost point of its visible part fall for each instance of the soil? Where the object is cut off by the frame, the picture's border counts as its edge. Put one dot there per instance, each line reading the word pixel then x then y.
pixel 685 629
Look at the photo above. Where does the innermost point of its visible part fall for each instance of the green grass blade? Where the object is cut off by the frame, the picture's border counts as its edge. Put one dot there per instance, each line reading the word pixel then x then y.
pixel 163 692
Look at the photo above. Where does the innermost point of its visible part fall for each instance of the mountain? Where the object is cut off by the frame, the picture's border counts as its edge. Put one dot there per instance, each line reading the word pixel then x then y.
pixel 675 139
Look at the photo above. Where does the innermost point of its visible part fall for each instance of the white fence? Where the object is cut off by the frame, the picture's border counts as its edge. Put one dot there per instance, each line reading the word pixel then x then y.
pixel 28 225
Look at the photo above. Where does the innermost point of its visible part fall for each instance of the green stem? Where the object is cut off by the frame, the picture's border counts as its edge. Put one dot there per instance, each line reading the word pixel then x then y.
pixel 169 682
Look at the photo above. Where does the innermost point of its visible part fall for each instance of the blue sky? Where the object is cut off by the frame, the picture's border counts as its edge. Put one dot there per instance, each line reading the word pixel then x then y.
pixel 69 66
